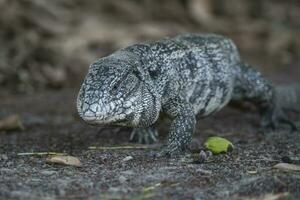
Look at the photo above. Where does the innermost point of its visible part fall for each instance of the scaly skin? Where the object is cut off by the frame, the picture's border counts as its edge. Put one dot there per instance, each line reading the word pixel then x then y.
pixel 187 77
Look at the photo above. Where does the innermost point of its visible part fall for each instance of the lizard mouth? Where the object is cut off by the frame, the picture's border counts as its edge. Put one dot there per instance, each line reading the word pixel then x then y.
pixel 97 120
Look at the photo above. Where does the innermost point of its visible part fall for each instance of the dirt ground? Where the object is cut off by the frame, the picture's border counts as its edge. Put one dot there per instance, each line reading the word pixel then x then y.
pixel 52 125
pixel 47 46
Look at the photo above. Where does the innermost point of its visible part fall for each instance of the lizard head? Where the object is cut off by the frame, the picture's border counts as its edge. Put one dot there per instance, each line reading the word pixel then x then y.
pixel 116 92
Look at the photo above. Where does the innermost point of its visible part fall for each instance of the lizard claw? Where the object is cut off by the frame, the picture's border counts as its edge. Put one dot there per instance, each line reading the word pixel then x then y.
pixel 144 135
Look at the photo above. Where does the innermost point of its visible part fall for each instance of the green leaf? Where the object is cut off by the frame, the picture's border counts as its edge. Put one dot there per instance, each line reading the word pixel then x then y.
pixel 218 145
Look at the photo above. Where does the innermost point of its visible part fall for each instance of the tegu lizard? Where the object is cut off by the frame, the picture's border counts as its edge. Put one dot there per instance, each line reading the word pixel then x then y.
pixel 187 77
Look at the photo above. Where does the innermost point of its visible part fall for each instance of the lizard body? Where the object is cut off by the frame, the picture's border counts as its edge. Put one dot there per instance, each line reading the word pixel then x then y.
pixel 186 77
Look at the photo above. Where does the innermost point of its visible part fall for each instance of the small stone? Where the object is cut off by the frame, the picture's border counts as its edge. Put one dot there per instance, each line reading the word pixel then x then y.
pixel 127 158
pixel 68 172
pixel 202 156
pixel 128 172
pixel 35 180
pixel 9 163
pixel 209 154
pixel 48 172
pixel 6 171
pixel 115 190
pixel 252 172
pixel 12 122
pixel 4 157
pixel 204 172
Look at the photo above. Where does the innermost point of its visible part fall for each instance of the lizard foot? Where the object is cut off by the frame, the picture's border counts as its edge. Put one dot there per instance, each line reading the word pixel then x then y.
pixel 272 121
pixel 144 135
pixel 171 151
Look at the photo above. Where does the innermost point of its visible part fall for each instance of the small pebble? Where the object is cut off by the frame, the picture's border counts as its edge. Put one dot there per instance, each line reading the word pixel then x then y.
pixel 118 190
pixel 48 172
pixel 127 158
pixel 204 172
pixel 68 172
pixel 4 157
pixel 202 156
pixel 209 154
pixel 9 163
pixel 35 180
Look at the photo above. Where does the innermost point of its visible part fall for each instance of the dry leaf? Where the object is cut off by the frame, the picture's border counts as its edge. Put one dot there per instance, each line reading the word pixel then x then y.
pixel 12 122
pixel 65 160
pixel 287 167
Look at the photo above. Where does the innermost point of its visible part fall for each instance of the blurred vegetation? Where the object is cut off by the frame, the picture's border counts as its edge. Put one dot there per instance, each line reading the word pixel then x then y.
pixel 50 43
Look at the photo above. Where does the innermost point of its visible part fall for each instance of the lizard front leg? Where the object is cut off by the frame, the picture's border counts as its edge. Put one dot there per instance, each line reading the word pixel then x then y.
pixel 182 126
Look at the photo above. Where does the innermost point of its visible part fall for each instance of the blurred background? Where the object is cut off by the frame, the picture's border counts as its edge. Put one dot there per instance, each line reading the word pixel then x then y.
pixel 49 44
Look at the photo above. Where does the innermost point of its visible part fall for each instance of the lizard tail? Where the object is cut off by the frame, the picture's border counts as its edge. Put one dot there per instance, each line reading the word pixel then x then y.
pixel 288 97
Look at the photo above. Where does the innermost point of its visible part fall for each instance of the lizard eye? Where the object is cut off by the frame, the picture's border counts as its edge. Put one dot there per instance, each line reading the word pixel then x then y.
pixel 124 85
pixel 115 87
